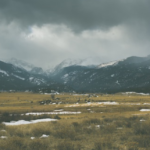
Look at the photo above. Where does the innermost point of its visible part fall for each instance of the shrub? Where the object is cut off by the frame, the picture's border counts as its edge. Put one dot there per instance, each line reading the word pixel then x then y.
pixel 142 128
pixel 102 145
pixel 2 126
pixel 65 132
pixel 38 144
pixel 56 117
pixel 65 146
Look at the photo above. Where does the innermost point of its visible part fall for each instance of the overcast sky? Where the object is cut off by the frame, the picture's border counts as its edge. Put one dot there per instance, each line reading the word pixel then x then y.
pixel 46 32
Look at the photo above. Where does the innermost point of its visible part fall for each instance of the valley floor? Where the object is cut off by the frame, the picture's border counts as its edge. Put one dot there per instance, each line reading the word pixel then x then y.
pixel 30 121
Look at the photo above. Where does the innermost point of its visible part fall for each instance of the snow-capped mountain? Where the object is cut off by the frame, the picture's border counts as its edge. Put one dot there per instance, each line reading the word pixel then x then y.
pixel 112 63
pixel 21 64
pixel 15 78
pixel 70 62
pixel 12 77
pixel 130 74
pixel 26 66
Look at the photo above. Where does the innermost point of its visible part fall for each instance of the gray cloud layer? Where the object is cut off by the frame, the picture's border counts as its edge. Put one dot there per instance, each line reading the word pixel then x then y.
pixel 77 14
pixel 48 31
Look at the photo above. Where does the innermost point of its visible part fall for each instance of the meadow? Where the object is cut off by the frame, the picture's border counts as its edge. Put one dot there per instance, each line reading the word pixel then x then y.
pixel 82 121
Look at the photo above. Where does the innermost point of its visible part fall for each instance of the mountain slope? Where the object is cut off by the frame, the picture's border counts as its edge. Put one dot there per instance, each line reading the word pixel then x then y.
pixel 126 75
pixel 131 74
pixel 15 78
pixel 21 64
pixel 12 77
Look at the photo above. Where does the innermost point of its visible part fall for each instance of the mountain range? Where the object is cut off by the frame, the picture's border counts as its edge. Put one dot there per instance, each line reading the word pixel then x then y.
pixel 130 74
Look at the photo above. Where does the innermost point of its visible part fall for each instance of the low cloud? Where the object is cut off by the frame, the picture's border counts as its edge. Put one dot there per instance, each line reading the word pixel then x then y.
pixel 46 32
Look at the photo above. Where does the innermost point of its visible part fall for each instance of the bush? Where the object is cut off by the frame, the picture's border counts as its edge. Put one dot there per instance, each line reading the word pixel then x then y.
pixel 65 146
pixel 142 128
pixel 109 129
pixel 56 117
pixel 103 144
pixel 92 121
pixel 2 126
pixel 38 144
pixel 143 141
pixel 65 132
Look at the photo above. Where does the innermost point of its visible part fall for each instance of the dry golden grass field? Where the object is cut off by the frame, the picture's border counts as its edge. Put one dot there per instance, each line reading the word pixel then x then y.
pixel 83 122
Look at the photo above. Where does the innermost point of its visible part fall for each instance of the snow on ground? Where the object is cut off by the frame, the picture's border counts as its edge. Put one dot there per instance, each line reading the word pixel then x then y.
pixel 22 122
pixel 92 104
pixel 52 113
pixel 32 138
pixel 59 110
pixel 66 75
pixel 130 103
pixel 146 104
pixel 108 103
pixel 4 72
pixel 97 126
pixel 18 77
pixel 102 104
pixel 3 130
pixel 145 110
pixel 120 128
pixel 108 64
pixel 142 120
pixel 44 136
pixel 136 93
pixel 3 137
pixel 112 75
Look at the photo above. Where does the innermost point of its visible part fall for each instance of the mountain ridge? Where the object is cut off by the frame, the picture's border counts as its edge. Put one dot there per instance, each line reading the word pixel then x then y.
pixel 130 74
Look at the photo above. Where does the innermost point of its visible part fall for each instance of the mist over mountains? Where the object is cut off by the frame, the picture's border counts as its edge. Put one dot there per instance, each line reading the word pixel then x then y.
pixel 130 74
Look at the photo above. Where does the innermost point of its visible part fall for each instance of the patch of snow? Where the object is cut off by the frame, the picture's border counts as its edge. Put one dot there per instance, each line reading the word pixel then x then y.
pixel 44 136
pixel 32 138
pixel 23 122
pixel 92 75
pixel 47 93
pixel 112 75
pixel 142 120
pixel 109 64
pixel 66 75
pixel 31 78
pixel 3 130
pixel 97 126
pixel 92 104
pixel 136 93
pixel 4 72
pixel 52 113
pixel 117 82
pixel 130 103
pixel 59 110
pixel 145 110
pixel 108 103
pixel 146 104
pixel 18 77
pixel 3 137
pixel 86 72
pixel 120 128
pixel 37 81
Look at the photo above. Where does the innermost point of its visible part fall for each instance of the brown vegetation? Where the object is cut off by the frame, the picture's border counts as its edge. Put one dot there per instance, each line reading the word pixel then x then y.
pixel 98 127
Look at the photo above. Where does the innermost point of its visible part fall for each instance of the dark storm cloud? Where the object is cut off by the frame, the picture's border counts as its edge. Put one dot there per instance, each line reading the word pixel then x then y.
pixel 45 32
pixel 77 14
